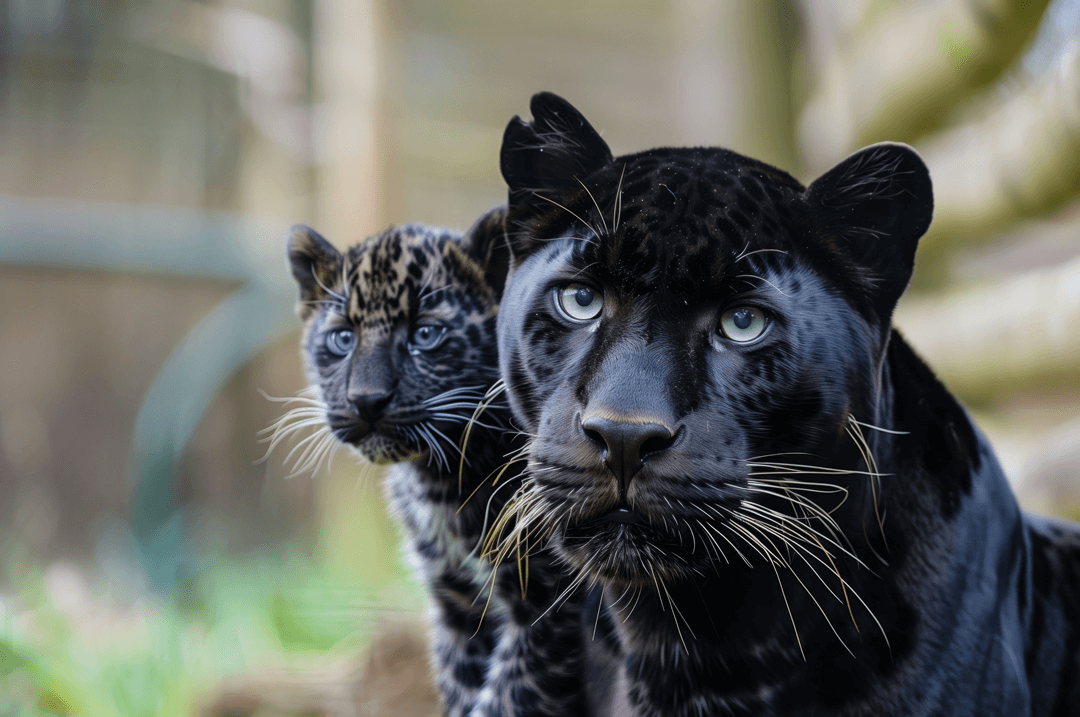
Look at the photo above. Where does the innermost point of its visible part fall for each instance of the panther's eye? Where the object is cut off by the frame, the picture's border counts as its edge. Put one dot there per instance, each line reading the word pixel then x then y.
pixel 743 323
pixel 340 342
pixel 425 338
pixel 579 302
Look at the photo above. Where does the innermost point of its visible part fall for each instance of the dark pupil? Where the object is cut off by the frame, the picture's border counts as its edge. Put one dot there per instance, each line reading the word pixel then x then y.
pixel 424 333
pixel 583 297
pixel 345 338
pixel 742 318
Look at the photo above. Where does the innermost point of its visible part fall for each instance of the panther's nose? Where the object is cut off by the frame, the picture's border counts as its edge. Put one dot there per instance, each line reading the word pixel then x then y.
pixel 370 404
pixel 626 444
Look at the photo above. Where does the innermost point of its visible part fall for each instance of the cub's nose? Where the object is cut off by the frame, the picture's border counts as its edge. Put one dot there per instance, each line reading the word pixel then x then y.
pixel 626 445
pixel 370 405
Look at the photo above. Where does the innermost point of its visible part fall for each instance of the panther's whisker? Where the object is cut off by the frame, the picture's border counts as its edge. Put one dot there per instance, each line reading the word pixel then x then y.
pixel 452 405
pixel 616 212
pixel 791 615
pixel 674 610
pixel 305 442
pixel 792 528
pixel 431 427
pixel 793 493
pixel 861 444
pixel 294 415
pixel 804 529
pixel 433 440
pixel 796 547
pixel 362 475
pixel 343 299
pixel 618 600
pixel 434 450
pixel 487 513
pixel 296 411
pixel 304 461
pixel 498 472
pixel 753 541
pixel 755 276
pixel 745 253
pixel 803 486
pixel 879 428
pixel 282 431
pixel 309 460
pixel 456 418
pixel 793 470
pixel 795 499
pixel 587 225
pixel 326 448
pixel 471 391
pixel 489 396
pixel 301 396
pixel 716 530
pixel 281 435
pixel 322 456
pixel 575 583
pixel 846 588
pixel 637 599
pixel 599 607
pixel 720 551
pixel 809 594
pixel 600 213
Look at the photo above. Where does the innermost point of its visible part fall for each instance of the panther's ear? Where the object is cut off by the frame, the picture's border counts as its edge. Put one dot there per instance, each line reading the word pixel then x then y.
pixel 485 243
pixel 872 208
pixel 547 153
pixel 316 266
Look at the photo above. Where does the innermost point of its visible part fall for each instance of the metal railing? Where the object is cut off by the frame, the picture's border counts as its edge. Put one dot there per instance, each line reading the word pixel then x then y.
pixel 114 237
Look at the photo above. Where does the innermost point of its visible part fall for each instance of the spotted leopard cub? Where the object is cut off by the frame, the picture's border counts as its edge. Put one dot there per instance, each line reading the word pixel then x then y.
pixel 399 344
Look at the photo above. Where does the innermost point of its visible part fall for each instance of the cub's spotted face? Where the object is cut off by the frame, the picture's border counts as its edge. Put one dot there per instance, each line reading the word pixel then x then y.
pixel 690 336
pixel 398 336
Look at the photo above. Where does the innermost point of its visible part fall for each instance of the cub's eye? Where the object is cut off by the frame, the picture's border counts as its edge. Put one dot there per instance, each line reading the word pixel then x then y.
pixel 743 323
pixel 579 302
pixel 425 338
pixel 340 342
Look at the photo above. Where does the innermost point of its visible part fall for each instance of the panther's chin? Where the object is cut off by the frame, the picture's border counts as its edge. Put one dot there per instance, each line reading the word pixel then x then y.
pixel 622 547
pixel 384 450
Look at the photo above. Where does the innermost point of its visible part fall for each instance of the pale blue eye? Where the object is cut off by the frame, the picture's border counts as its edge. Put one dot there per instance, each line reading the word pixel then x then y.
pixel 579 302
pixel 743 323
pixel 425 338
pixel 340 342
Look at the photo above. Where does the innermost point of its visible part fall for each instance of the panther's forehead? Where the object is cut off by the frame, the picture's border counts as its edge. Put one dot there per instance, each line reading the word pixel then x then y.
pixel 681 218
pixel 385 274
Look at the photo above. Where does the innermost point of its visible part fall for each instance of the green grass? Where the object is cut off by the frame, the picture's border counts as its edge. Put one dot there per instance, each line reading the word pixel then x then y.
pixel 96 656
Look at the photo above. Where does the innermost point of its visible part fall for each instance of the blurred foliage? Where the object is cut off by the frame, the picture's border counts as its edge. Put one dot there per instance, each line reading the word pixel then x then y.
pixel 68 650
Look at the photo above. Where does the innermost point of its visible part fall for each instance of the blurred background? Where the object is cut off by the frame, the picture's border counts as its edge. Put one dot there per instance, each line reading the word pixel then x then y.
pixel 153 154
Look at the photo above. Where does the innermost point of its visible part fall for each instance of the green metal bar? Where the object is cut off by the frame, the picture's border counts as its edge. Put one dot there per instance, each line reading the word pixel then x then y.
pixel 135 238
pixel 77 235
pixel 226 339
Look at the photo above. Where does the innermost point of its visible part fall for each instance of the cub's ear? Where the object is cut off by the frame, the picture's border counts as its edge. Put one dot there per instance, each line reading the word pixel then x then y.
pixel 872 208
pixel 547 153
pixel 481 256
pixel 485 243
pixel 316 265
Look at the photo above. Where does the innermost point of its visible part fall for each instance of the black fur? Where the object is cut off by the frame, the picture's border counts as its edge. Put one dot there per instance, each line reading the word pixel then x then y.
pixel 802 523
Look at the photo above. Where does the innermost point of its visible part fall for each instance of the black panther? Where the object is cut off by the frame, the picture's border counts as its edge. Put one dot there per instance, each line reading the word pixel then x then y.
pixel 778 507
